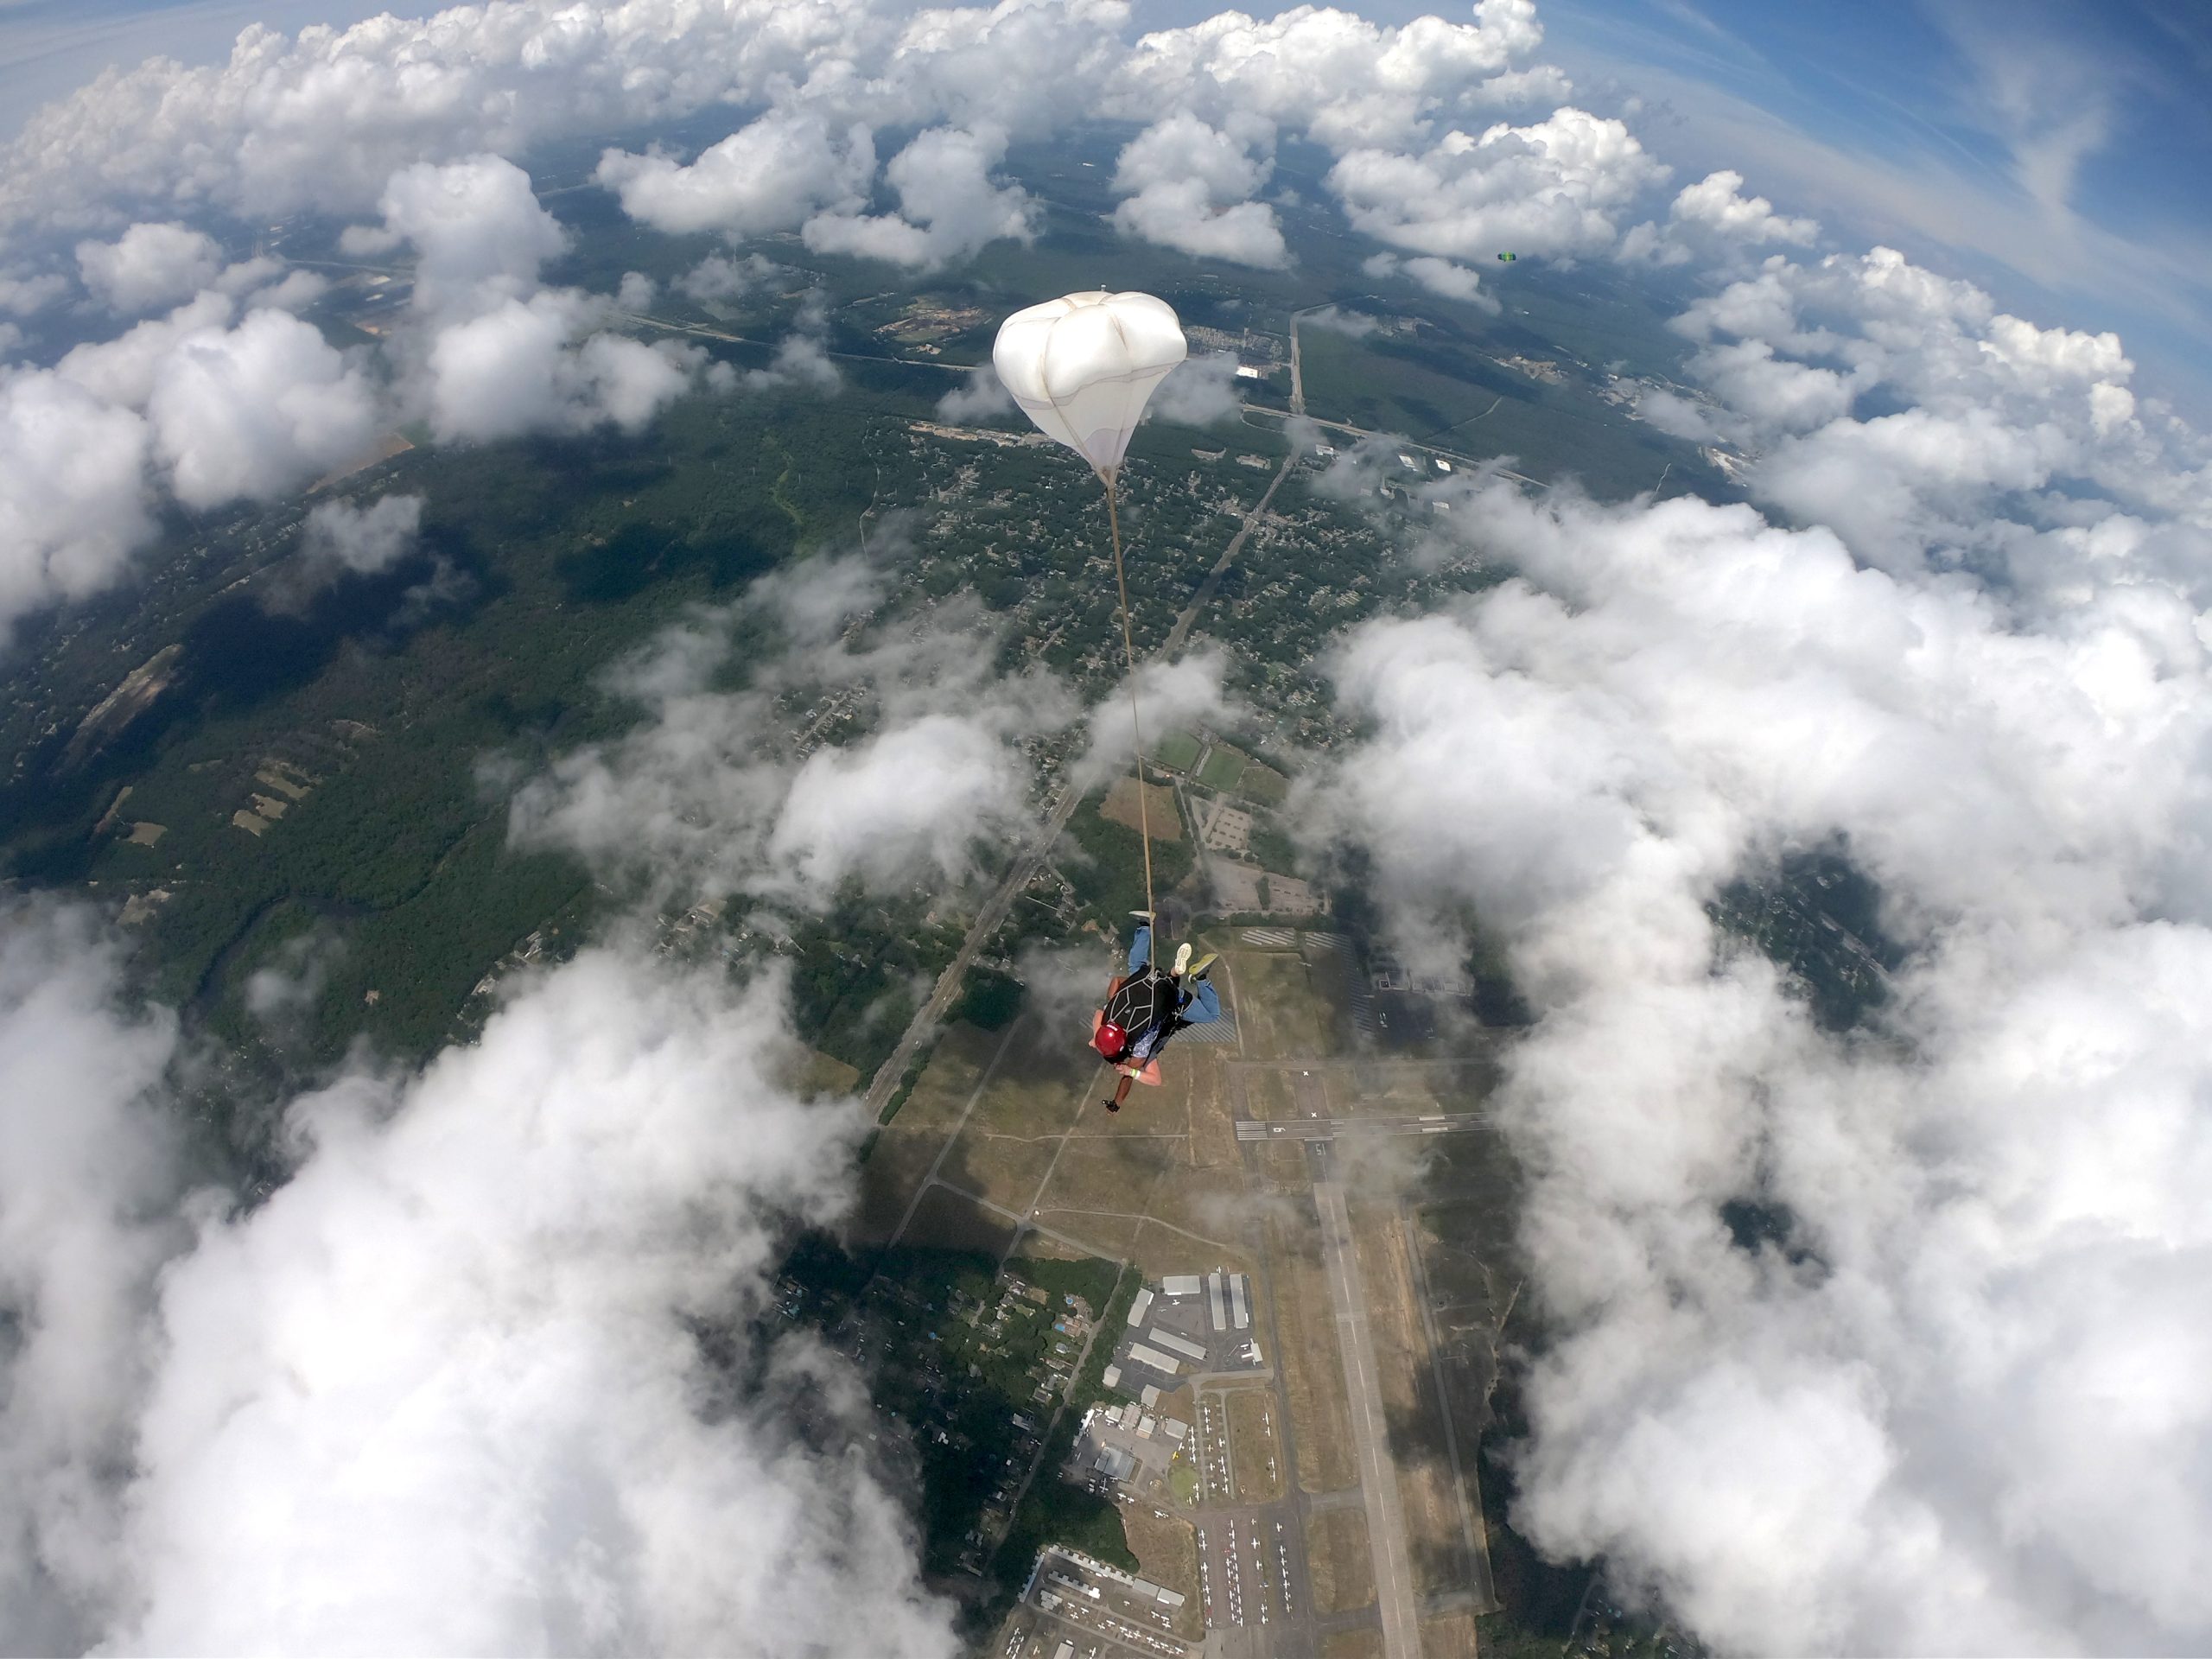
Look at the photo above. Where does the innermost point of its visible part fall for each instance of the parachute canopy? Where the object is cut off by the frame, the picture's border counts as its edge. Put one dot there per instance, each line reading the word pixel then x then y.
pixel 1082 367
pixel 1509 256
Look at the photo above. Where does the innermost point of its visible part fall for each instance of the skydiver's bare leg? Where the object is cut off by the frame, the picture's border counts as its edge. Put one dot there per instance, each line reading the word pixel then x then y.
pixel 1121 1093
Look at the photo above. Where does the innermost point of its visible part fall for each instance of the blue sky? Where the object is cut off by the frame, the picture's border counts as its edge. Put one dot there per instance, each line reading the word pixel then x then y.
pixel 2053 150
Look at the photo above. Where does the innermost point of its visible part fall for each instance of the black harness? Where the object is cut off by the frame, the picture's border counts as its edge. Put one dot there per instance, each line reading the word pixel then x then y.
pixel 1147 1000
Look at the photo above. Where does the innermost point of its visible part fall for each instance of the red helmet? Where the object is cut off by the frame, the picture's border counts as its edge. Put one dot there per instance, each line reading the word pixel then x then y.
pixel 1110 1039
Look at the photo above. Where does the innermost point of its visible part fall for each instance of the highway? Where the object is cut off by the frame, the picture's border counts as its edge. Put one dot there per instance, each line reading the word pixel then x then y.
pixel 1378 1480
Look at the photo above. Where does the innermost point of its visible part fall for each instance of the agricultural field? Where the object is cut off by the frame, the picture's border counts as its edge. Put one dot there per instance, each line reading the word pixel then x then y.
pixel 1164 820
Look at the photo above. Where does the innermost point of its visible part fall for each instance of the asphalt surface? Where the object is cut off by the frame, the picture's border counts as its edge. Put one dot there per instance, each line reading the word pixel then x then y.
pixel 1378 1478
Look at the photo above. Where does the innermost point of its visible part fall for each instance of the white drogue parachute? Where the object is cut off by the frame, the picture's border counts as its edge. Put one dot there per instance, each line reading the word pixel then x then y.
pixel 1082 367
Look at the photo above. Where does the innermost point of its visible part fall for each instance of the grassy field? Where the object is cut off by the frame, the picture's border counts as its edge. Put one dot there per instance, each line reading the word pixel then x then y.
pixel 1168 1550
pixel 1177 750
pixel 1224 767
pixel 1254 1453
pixel 1164 820
pixel 1285 1009
pixel 1343 1568
pixel 1311 1362
pixel 1263 784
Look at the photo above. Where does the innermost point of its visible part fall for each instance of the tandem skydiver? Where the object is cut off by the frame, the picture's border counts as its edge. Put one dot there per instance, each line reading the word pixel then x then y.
pixel 1146 1006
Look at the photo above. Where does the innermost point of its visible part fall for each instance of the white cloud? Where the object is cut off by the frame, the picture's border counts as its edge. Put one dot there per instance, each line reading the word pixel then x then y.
pixel 1714 222
pixel 479 231
pixel 981 396
pixel 149 265
pixel 87 1172
pixel 770 175
pixel 802 357
pixel 949 205
pixel 1716 202
pixel 518 368
pixel 298 291
pixel 1189 188
pixel 708 796
pixel 1960 1417
pixel 1186 692
pixel 256 410
pixel 73 502
pixel 25 296
pixel 1440 277
pixel 1350 83
pixel 1553 187
pixel 443 1391
pixel 1981 416
pixel 1338 320
pixel 339 536
pixel 716 278
pixel 122 370
pixel 636 291
pixel 1201 392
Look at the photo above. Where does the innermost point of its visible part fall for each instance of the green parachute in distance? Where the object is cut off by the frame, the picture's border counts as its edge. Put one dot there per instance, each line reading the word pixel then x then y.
pixel 1509 257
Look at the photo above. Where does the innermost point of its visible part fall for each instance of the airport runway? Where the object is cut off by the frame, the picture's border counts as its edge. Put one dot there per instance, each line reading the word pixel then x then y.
pixel 1379 1479
pixel 1328 1128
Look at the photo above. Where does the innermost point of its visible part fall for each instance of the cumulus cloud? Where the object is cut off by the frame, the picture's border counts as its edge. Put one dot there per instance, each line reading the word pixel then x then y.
pixel 1350 83
pixel 345 1415
pixel 479 231
pixel 981 396
pixel 1978 417
pixel 87 1175
pixel 297 290
pixel 949 205
pixel 712 794
pixel 417 124
pixel 1186 692
pixel 1355 325
pixel 770 175
pixel 342 538
pixel 489 353
pixel 716 278
pixel 1712 219
pixel 1201 392
pixel 73 500
pixel 1948 1410
pixel 1555 188
pixel 149 265
pixel 526 365
pixel 1440 277
pixel 1189 186
pixel 216 411
pixel 802 357
pixel 256 410
pixel 24 295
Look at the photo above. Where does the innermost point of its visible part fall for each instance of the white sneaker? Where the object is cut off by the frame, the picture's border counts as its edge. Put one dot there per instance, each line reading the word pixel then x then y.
pixel 1182 958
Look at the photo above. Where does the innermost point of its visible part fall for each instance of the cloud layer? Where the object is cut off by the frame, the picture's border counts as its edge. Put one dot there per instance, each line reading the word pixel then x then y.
pixel 443 1391
pixel 1948 1408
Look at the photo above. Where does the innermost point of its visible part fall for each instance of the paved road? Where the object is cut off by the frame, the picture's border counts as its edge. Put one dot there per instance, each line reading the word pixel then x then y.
pixel 1378 1479
pixel 1206 588
pixel 932 1012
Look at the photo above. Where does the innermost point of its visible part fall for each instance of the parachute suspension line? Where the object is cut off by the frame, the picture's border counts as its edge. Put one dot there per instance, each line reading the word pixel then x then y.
pixel 1137 725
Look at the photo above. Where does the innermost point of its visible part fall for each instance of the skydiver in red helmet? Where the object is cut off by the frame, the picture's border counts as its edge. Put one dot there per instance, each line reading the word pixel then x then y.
pixel 1145 1006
